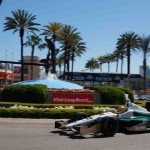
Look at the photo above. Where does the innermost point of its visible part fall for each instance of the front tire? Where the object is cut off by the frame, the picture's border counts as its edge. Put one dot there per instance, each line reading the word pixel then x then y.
pixel 109 126
pixel 78 116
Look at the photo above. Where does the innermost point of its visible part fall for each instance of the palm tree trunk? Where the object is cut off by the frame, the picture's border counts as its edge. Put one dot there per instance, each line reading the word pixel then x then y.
pixel 65 60
pixel 22 62
pixel 68 61
pixel 53 61
pixel 68 66
pixel 108 67
pixel 144 72
pixel 128 64
pixel 100 66
pixel 128 59
pixel 32 54
pixel 116 66
pixel 59 69
pixel 72 66
pixel 54 57
pixel 0 2
pixel 72 61
pixel 121 65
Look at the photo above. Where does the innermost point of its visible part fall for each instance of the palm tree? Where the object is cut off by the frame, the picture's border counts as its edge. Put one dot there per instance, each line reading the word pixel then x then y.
pixel 77 48
pixel 33 41
pixel 145 48
pixel 1 1
pixel 65 37
pixel 129 41
pixel 21 21
pixel 92 64
pixel 108 58
pixel 52 30
pixel 101 60
pixel 117 56
pixel 123 54
pixel 60 61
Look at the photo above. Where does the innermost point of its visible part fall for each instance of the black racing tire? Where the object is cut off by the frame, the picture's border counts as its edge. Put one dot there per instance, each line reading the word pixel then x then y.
pixel 78 116
pixel 109 126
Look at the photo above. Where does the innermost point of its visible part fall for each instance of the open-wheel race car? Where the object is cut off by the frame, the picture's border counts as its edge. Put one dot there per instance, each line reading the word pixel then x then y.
pixel 135 118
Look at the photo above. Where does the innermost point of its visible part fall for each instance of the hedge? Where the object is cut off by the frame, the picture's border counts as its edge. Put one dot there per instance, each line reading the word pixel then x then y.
pixel 112 95
pixel 44 113
pixel 24 93
pixel 38 94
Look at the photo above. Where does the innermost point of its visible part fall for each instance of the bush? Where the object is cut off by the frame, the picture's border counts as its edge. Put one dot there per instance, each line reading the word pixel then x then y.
pixel 44 113
pixel 110 95
pixel 127 91
pixel 24 93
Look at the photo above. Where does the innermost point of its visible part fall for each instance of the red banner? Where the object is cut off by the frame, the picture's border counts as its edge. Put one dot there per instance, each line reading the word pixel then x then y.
pixel 72 98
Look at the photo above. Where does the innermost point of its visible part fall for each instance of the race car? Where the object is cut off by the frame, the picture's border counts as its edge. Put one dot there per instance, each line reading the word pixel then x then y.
pixel 135 118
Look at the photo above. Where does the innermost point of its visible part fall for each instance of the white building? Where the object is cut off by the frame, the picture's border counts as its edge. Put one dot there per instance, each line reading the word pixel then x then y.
pixel 147 71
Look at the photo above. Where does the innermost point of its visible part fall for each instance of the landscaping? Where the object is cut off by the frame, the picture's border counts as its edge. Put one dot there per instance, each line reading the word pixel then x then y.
pixel 31 101
pixel 34 101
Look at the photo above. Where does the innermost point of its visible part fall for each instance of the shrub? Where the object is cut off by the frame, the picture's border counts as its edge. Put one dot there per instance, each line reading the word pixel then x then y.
pixel 24 93
pixel 110 95
pixel 44 113
pixel 127 91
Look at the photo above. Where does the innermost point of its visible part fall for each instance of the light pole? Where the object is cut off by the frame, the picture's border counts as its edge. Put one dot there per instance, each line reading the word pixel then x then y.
pixel 6 67
pixel 12 68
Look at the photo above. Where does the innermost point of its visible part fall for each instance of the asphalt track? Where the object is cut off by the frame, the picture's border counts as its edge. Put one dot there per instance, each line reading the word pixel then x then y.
pixel 40 134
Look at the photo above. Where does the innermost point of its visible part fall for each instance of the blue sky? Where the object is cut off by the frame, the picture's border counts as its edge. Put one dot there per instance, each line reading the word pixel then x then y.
pixel 100 23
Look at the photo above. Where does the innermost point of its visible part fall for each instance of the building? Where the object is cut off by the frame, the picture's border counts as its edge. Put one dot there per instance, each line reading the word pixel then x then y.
pixel 5 74
pixel 27 68
pixel 147 71
pixel 12 73
pixel 147 75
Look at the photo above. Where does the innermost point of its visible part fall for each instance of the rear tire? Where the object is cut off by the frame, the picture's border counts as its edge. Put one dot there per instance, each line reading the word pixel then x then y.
pixel 109 126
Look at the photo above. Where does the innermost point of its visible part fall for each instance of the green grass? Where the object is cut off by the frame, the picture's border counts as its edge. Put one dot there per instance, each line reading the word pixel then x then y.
pixel 140 102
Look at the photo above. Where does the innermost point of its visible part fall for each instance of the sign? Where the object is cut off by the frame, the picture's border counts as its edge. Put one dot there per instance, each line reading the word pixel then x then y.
pixel 72 98
pixel 17 69
pixel 90 129
pixel 99 77
pixel 4 75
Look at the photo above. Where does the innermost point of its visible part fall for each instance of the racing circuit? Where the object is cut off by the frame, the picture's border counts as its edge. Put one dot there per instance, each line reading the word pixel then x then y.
pixel 37 134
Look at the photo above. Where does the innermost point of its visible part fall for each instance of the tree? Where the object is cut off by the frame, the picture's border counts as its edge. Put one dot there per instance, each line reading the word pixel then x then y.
pixel 33 41
pixel 1 1
pixel 21 21
pixel 123 54
pixel 60 61
pixel 66 36
pixel 129 41
pixel 116 58
pixel 77 48
pixel 145 48
pixel 52 30
pixel 108 58
pixel 101 60
pixel 92 64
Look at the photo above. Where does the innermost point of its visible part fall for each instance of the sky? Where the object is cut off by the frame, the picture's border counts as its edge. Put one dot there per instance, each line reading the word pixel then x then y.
pixel 100 22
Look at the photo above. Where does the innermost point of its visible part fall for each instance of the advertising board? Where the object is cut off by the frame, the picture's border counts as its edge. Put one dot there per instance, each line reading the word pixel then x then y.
pixel 72 98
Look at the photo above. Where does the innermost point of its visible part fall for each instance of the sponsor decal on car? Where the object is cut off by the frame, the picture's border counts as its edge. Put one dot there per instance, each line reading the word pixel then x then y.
pixel 92 129
pixel 139 127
